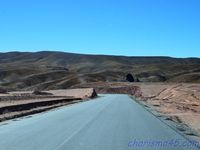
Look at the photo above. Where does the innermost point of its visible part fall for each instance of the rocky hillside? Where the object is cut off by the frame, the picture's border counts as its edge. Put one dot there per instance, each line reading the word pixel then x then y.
pixel 54 70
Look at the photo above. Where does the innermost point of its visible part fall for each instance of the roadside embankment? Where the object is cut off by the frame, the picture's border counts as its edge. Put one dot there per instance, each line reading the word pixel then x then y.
pixel 178 102
pixel 17 104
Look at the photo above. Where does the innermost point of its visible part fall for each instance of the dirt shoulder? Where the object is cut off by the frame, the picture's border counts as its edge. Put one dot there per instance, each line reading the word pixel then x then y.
pixel 177 102
pixel 181 102
pixel 17 104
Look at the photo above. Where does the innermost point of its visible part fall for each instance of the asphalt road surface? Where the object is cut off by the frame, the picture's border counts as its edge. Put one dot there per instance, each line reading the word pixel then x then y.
pixel 111 122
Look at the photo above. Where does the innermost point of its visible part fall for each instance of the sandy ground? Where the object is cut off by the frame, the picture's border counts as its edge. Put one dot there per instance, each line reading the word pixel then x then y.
pixel 179 102
pixel 83 93
pixel 17 104
pixel 77 93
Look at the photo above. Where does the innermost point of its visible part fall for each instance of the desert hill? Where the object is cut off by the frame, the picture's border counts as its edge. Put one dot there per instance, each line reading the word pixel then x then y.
pixel 53 70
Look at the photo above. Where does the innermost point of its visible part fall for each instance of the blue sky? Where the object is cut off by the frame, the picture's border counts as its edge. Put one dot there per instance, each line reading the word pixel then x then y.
pixel 115 27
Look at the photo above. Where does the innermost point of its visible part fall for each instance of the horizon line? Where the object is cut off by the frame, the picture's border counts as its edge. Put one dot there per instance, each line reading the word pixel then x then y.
pixel 94 54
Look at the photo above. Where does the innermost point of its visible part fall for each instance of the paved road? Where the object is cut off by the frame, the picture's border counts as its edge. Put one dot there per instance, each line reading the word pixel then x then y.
pixel 112 122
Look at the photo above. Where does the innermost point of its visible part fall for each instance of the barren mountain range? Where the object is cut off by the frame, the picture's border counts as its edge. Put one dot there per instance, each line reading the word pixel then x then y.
pixel 58 70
